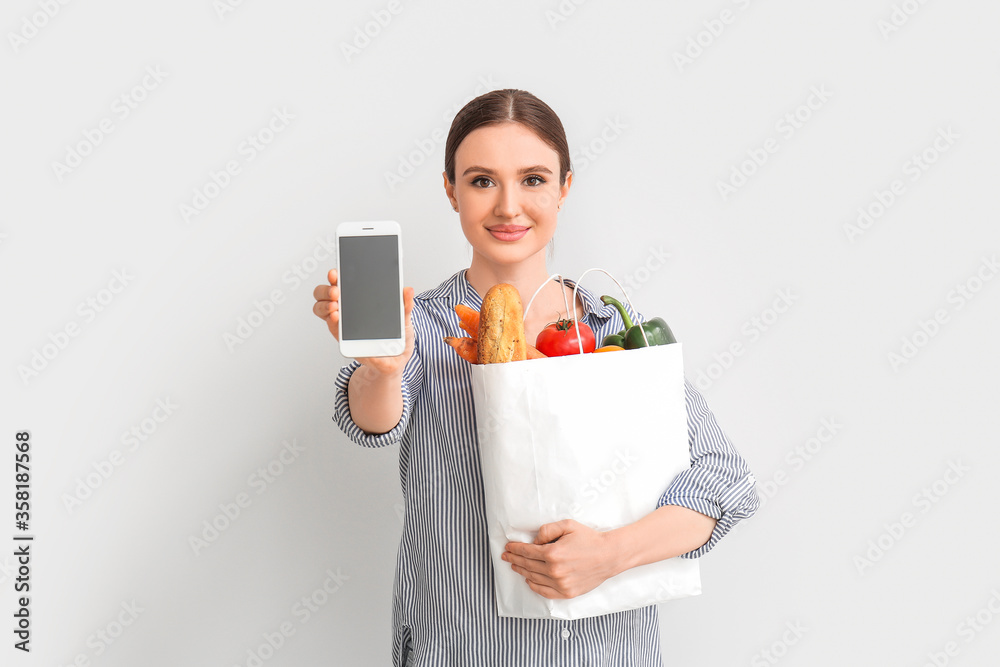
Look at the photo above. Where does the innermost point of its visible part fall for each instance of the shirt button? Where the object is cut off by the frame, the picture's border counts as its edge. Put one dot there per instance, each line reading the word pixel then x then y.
pixel 565 633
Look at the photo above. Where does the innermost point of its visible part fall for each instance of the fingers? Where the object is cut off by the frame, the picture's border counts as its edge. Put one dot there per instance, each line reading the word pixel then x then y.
pixel 327 303
pixel 326 293
pixel 525 551
pixel 327 306
pixel 534 576
pixel 323 309
pixel 550 532
pixel 545 591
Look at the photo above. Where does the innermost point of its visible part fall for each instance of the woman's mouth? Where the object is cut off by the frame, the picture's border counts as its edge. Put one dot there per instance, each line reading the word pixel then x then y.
pixel 508 232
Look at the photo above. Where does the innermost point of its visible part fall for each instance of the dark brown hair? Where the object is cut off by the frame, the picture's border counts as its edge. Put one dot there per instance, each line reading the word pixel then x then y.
pixel 508 106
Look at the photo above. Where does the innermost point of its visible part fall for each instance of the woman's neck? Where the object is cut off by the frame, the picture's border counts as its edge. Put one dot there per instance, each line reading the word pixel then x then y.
pixel 526 276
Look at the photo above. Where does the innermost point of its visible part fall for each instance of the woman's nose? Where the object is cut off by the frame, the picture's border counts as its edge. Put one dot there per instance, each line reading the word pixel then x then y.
pixel 508 203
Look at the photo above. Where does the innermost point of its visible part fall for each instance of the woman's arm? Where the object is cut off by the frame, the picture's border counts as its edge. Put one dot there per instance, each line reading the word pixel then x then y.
pixel 375 400
pixel 569 559
pixel 666 532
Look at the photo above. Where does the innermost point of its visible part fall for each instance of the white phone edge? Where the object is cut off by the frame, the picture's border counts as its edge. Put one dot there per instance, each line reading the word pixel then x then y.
pixel 378 347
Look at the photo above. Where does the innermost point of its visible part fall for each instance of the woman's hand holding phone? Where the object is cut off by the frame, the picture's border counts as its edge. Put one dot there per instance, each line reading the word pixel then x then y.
pixel 327 307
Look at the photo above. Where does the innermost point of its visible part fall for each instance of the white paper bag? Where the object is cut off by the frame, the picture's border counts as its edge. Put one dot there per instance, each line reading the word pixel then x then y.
pixel 592 437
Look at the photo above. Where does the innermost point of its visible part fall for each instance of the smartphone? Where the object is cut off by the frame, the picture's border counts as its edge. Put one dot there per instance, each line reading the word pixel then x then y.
pixel 370 276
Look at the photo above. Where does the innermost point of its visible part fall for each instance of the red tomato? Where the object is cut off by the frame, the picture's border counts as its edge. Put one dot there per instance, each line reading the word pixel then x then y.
pixel 560 338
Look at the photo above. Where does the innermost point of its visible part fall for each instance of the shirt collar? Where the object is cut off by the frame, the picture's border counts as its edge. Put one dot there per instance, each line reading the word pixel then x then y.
pixel 592 306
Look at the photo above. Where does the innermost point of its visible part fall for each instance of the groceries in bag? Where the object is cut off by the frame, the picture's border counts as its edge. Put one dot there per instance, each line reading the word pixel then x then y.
pixel 496 332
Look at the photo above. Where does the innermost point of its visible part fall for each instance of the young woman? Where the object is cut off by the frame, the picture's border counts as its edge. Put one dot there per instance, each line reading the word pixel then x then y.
pixel 507 174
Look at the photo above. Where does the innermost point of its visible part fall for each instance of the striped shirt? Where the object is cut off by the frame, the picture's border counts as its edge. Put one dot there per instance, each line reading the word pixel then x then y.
pixel 444 609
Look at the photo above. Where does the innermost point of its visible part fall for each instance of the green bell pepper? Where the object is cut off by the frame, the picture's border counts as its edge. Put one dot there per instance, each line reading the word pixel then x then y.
pixel 630 337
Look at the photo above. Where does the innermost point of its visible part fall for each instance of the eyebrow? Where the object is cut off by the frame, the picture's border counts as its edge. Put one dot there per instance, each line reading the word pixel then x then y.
pixel 538 167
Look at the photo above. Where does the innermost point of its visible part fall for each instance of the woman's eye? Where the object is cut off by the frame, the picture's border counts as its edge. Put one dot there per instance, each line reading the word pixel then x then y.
pixel 482 181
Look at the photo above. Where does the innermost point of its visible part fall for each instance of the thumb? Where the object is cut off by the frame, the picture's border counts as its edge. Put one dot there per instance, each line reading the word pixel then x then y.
pixel 407 310
pixel 407 301
pixel 550 532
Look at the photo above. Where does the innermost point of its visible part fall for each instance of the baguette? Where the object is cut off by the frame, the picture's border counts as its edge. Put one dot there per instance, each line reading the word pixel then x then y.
pixel 501 326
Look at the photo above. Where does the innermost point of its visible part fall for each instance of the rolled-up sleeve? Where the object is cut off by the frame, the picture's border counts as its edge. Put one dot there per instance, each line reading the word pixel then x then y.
pixel 718 484
pixel 411 383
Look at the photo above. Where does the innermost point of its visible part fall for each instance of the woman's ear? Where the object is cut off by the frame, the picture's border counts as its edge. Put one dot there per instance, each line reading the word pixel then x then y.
pixel 564 189
pixel 449 190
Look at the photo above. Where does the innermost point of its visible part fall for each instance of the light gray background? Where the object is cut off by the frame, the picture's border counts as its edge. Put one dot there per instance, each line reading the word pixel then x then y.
pixel 650 187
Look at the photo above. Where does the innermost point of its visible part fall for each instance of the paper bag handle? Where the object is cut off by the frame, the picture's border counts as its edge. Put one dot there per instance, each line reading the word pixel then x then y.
pixel 575 319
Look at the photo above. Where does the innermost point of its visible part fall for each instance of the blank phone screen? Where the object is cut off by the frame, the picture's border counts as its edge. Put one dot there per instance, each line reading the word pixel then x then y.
pixel 370 292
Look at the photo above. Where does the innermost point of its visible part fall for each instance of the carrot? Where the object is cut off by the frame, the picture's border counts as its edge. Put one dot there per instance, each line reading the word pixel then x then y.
pixel 468 319
pixel 610 348
pixel 533 353
pixel 467 348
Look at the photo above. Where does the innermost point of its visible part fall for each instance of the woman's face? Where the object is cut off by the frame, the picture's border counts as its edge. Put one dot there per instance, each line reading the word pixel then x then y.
pixel 507 191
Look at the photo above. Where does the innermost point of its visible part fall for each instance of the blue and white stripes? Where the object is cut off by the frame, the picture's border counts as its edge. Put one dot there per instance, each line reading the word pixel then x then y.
pixel 718 484
pixel 444 612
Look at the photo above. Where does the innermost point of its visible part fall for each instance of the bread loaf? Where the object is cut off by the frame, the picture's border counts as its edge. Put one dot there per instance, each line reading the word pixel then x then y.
pixel 501 326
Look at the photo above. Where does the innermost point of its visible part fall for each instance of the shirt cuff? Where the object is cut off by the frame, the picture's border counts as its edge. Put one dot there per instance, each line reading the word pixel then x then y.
pixel 342 413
